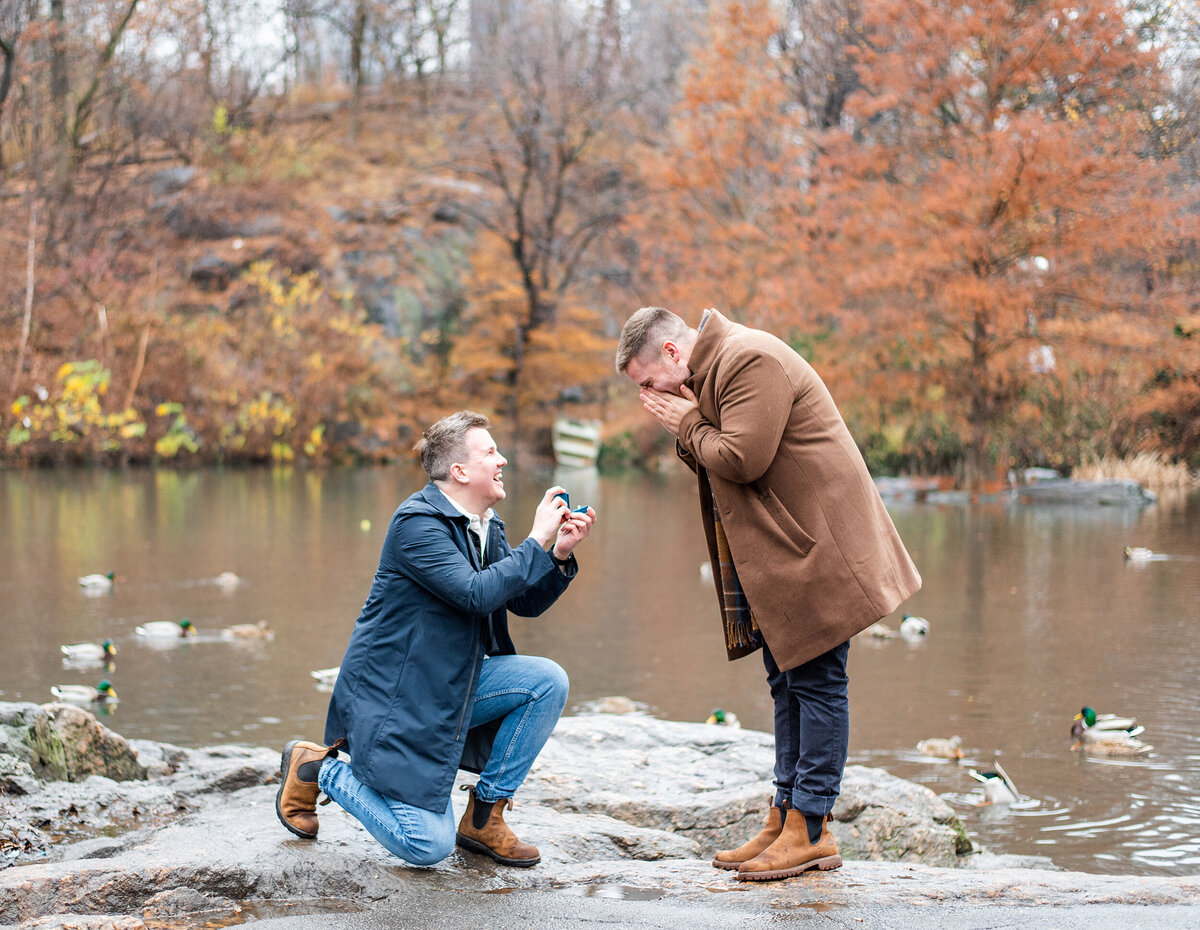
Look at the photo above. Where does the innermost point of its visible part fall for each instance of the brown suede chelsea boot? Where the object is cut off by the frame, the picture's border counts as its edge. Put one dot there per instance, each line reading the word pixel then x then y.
pixel 483 830
pixel 801 846
pixel 773 826
pixel 296 800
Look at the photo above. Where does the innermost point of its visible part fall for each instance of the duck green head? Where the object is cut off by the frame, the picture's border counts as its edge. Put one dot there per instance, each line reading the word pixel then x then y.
pixel 109 647
pixel 1088 716
pixel 105 687
pixel 718 716
pixel 187 626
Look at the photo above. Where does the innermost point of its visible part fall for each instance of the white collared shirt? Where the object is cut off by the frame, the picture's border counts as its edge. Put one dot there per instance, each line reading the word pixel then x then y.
pixel 478 524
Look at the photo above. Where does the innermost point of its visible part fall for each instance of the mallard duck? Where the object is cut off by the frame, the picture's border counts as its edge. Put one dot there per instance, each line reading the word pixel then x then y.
pixel 1108 734
pixel 167 629
pixel 258 630
pixel 879 630
pixel 724 718
pixel 98 582
pixel 1116 743
pixel 913 627
pixel 83 695
pixel 1088 721
pixel 326 676
pixel 998 788
pixel 227 580
pixel 941 748
pixel 1138 554
pixel 89 652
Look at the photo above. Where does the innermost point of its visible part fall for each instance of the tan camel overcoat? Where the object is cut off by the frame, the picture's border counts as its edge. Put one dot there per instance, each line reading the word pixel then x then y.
pixel 815 550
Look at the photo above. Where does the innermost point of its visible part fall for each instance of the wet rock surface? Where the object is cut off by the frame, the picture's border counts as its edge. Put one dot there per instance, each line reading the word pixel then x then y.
pixel 627 805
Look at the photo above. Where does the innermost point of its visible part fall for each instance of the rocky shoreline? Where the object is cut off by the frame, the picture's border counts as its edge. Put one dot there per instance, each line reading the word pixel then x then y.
pixel 98 831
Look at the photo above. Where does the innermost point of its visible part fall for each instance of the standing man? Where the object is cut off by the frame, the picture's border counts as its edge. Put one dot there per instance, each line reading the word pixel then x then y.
pixel 431 681
pixel 804 554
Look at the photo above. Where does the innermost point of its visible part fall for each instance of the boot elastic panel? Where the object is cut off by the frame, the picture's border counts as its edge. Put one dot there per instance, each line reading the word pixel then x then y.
pixel 481 812
pixel 309 770
pixel 814 825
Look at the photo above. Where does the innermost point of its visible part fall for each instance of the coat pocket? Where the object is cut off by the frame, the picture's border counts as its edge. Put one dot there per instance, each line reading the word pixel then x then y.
pixel 791 529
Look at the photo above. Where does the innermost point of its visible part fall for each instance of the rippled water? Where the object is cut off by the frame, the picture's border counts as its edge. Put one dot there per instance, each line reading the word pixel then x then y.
pixel 1033 613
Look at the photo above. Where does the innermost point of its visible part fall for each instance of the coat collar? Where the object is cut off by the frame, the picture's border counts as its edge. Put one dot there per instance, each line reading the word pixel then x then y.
pixel 708 344
pixel 432 496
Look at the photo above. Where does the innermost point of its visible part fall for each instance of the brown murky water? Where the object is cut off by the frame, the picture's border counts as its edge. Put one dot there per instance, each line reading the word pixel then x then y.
pixel 1033 613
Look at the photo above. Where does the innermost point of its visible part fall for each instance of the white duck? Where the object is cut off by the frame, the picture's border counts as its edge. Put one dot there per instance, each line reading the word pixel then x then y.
pixel 227 580
pixel 167 629
pixel 326 676
pixel 83 695
pixel 97 582
pixel 998 788
pixel 89 652
pixel 1138 554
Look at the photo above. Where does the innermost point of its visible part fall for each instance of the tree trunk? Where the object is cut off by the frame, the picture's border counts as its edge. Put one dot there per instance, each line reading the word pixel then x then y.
pixel 27 321
pixel 9 51
pixel 358 38
pixel 977 416
pixel 59 89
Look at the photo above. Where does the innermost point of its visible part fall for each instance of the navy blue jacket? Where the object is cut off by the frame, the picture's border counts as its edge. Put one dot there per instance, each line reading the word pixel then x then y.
pixel 407 682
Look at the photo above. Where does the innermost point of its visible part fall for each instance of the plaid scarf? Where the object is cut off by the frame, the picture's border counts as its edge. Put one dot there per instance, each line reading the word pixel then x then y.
pixel 742 635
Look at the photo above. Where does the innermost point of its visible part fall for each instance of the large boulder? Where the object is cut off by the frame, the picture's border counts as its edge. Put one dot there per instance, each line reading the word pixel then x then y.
pixel 199 840
pixel 713 784
pixel 68 744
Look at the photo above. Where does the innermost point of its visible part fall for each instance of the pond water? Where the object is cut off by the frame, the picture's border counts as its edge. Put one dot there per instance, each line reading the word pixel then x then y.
pixel 1033 613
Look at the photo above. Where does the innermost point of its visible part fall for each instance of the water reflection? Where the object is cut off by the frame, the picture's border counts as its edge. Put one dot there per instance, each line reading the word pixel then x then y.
pixel 1033 612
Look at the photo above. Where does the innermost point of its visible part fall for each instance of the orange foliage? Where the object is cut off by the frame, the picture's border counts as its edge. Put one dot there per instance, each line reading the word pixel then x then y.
pixel 991 216
pixel 728 227
pixel 501 360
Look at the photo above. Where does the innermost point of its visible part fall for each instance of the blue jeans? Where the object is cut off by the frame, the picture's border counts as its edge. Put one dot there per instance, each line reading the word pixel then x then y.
pixel 812 729
pixel 527 693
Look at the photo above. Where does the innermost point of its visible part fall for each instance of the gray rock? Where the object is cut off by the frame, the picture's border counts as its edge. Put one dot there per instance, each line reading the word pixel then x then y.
pixel 212 273
pixel 195 221
pixel 719 788
pixel 69 744
pixel 1117 492
pixel 171 180
pixel 615 802
pixel 265 224
pixel 16 775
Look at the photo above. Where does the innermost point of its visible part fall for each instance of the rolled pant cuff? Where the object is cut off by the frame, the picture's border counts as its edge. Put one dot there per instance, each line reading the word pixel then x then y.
pixel 811 804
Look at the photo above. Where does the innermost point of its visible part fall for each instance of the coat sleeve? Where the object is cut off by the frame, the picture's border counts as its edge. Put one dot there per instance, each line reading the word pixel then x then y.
pixel 537 600
pixel 424 550
pixel 754 399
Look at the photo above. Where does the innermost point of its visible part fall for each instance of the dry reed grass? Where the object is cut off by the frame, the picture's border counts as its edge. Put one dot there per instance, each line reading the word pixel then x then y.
pixel 1146 468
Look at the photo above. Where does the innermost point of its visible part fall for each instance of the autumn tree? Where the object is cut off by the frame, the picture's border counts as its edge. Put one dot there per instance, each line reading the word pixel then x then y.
pixel 993 219
pixel 544 145
pixel 727 225
pixel 816 41
pixel 15 17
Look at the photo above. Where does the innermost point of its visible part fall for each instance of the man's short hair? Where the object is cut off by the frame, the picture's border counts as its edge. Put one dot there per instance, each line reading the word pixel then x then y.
pixel 647 329
pixel 444 443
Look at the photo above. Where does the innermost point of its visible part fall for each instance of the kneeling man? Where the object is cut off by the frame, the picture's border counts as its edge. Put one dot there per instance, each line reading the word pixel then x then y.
pixel 431 681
